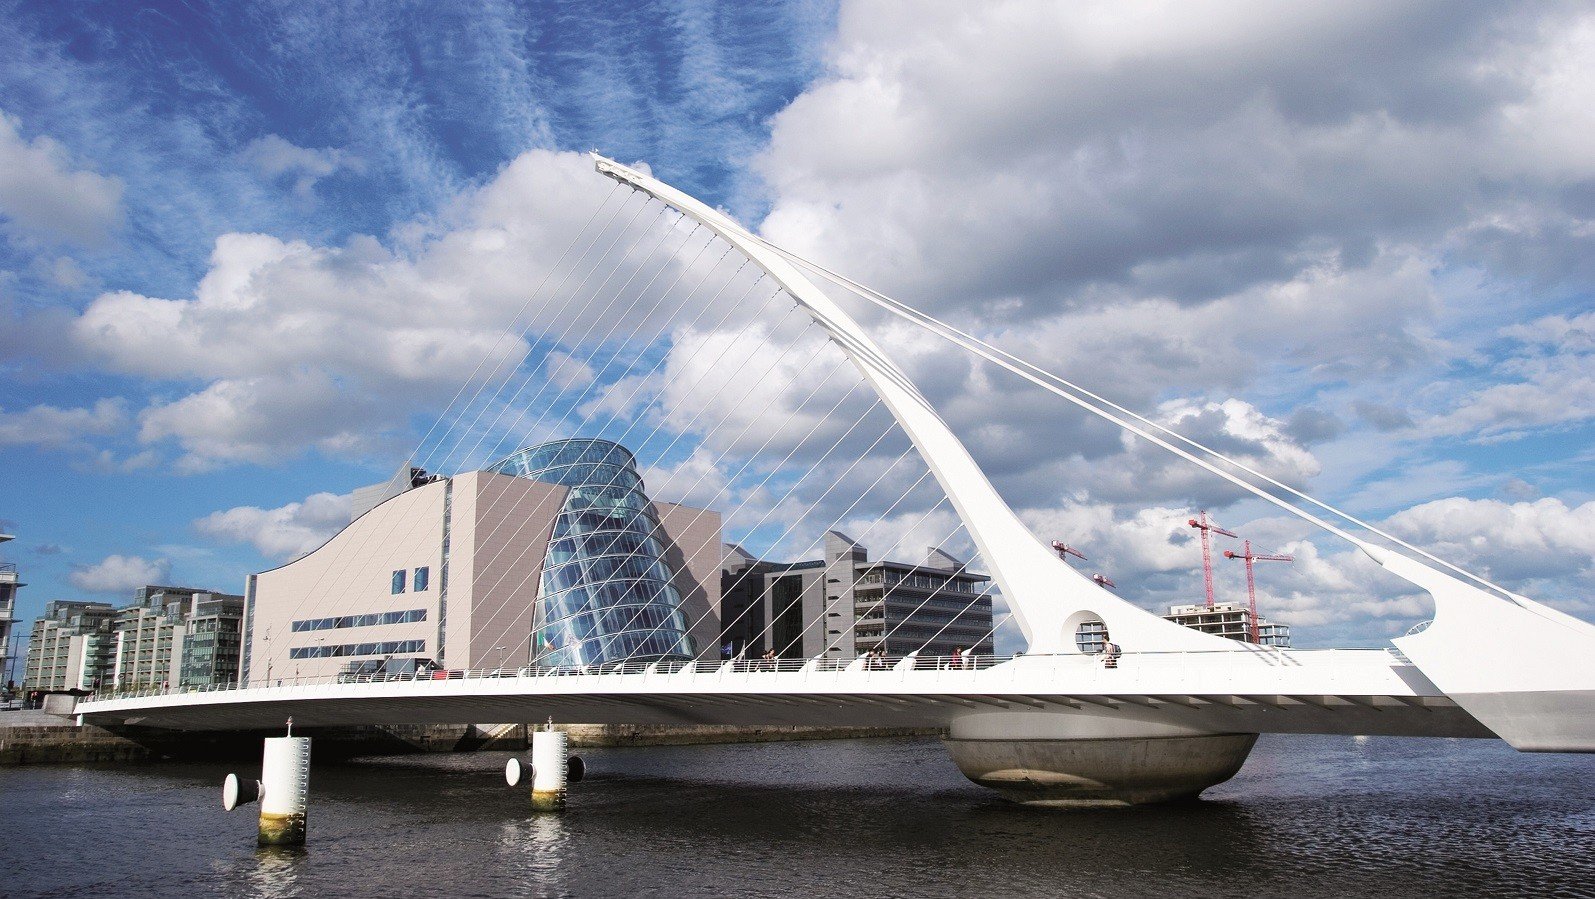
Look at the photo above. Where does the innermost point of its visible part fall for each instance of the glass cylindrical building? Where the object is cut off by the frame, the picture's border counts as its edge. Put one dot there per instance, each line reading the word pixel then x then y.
pixel 606 592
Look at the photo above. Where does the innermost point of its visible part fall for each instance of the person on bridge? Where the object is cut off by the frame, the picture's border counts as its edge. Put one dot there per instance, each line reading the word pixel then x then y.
pixel 1110 653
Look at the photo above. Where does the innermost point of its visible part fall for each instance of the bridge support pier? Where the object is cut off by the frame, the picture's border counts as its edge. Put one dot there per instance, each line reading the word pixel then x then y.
pixel 553 769
pixel 285 787
pixel 282 791
pixel 1080 760
pixel 550 749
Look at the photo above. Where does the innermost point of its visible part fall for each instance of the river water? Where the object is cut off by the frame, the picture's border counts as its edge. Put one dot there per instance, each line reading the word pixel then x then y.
pixel 1307 816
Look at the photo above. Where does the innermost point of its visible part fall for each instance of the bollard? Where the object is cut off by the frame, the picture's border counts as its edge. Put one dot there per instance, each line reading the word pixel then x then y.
pixel 285 784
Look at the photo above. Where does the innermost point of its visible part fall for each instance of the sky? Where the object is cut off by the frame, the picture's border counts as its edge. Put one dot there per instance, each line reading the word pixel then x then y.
pixel 254 255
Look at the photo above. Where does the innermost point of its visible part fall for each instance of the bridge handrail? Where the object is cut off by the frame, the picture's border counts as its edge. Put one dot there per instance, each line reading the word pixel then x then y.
pixel 755 667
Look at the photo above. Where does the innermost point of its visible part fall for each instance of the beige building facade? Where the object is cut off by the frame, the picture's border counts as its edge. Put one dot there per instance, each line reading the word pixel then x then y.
pixel 448 573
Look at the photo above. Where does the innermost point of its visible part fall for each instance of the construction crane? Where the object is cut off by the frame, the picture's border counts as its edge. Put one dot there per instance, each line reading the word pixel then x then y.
pixel 1251 583
pixel 1065 551
pixel 1205 526
pixel 1102 581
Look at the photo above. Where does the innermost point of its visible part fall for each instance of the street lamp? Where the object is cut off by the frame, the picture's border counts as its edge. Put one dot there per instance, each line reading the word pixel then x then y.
pixel 499 672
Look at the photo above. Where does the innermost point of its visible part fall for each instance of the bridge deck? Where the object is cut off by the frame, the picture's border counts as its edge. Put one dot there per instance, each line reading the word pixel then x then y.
pixel 1324 691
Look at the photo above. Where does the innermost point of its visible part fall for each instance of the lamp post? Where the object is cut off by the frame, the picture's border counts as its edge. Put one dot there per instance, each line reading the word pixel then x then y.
pixel 500 670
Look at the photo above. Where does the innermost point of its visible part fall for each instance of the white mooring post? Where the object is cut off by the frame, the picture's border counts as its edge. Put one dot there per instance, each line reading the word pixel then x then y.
pixel 552 769
pixel 282 790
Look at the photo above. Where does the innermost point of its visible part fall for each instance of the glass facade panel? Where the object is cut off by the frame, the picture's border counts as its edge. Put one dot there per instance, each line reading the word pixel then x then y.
pixel 606 594
pixel 398 581
pixel 423 578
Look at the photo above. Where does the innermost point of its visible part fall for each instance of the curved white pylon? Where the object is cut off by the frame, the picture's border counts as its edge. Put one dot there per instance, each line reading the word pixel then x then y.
pixel 1048 598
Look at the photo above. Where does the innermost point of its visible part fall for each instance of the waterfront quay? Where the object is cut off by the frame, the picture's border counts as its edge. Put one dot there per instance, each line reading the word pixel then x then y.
pixel 1309 816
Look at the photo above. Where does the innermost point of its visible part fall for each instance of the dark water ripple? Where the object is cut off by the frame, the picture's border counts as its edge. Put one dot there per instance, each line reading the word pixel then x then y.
pixel 1307 817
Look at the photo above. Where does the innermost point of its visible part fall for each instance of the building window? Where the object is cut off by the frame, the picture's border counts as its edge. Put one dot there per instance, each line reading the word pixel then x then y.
pixel 398 581
pixel 371 619
pixel 423 576
pixel 1091 636
pixel 356 649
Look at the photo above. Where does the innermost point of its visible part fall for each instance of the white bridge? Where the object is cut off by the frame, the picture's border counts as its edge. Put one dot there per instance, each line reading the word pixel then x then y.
pixel 1179 712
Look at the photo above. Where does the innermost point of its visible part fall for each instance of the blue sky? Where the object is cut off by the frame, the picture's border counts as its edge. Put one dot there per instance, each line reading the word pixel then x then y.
pixel 1353 245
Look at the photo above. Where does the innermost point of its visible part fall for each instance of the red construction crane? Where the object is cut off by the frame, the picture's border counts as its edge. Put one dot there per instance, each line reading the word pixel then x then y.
pixel 1251 582
pixel 1065 551
pixel 1102 581
pixel 1204 526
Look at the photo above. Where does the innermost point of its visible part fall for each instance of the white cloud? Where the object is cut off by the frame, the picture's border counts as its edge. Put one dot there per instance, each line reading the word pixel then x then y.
pixel 297 345
pixel 696 480
pixel 1546 381
pixel 1544 538
pixel 62 271
pixel 1161 200
pixel 566 371
pixel 119 574
pixel 108 462
pixel 52 426
pixel 276 158
pixel 43 197
pixel 1575 333
pixel 993 151
pixel 287 531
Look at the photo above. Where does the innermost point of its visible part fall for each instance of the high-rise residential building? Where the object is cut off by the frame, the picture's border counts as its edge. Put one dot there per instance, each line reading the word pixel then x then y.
pixel 168 636
pixel 844 605
pixel 9 585
pixel 554 555
pixel 1232 620
pixel 70 647
pixel 213 640
pixel 151 637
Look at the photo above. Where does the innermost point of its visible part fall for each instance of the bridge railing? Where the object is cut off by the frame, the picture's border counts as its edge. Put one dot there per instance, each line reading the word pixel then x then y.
pixel 1177 660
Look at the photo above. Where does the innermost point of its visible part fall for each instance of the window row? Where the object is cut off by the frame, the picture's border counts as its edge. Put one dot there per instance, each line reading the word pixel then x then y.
pixel 614 648
pixel 587 625
pixel 608 595
pixel 940 583
pixel 390 647
pixel 604 568
pixel 603 521
pixel 617 543
pixel 368 620
pixel 421 580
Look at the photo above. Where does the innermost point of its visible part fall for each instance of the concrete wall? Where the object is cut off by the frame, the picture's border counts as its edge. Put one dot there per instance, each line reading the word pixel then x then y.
pixel 63 743
pixel 502 526
pixel 351 575
pixel 691 540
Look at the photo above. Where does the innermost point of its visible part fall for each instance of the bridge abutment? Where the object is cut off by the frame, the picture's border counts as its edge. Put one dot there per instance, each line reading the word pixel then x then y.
pixel 1080 760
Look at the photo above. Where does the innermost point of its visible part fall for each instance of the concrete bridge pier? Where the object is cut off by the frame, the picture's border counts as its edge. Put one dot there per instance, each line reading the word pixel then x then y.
pixel 1080 760
pixel 552 769
pixel 283 791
